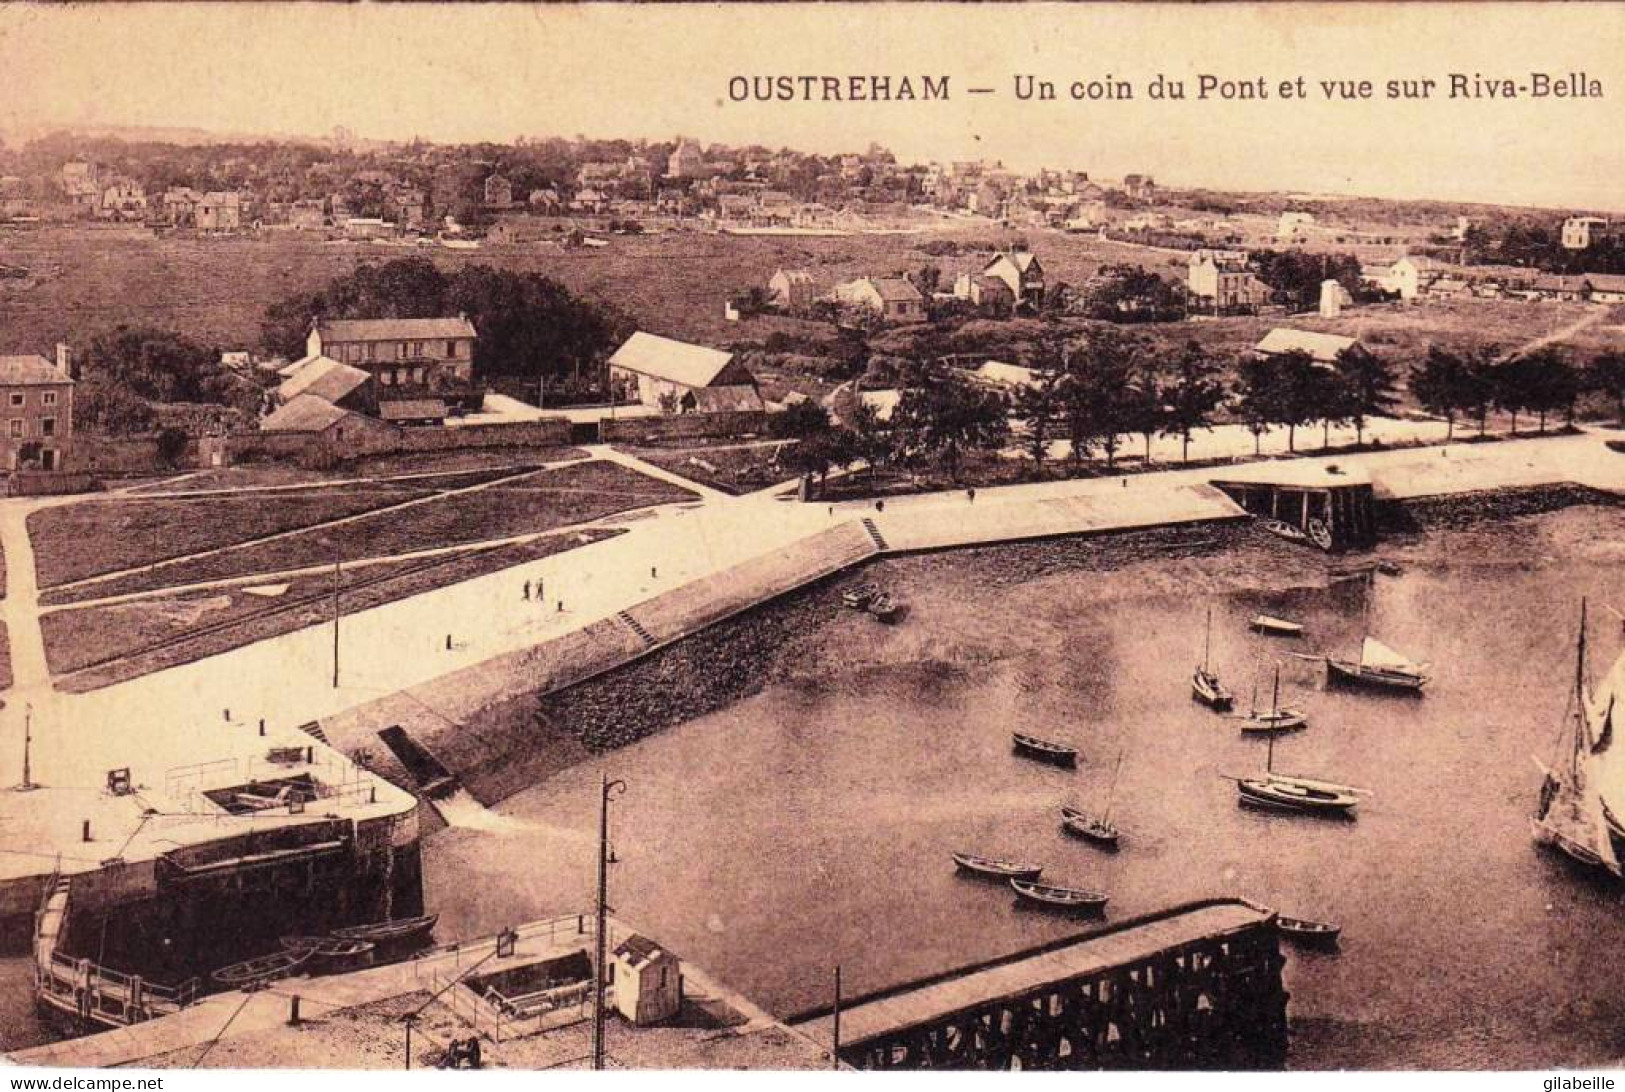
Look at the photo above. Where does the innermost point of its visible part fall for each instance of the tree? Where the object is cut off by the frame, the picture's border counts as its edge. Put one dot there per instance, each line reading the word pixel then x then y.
pixel 172 445
pixel 1143 408
pixel 799 421
pixel 102 405
pixel 1606 373
pixel 1442 384
pixel 1549 381
pixel 943 417
pixel 1039 405
pixel 1299 391
pixel 1258 396
pixel 1192 391
pixel 1100 405
pixel 871 438
pixel 1367 383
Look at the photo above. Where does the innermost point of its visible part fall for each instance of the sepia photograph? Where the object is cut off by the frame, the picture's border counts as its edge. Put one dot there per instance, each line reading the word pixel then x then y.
pixel 812 537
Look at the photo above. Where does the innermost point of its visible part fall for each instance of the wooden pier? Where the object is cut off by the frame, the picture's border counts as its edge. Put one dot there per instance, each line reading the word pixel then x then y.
pixel 1197 986
pixel 1331 514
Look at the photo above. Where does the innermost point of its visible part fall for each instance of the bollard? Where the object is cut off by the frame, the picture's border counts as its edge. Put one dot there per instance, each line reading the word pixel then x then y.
pixel 226 713
pixel 85 834
pixel 293 1010
pixel 310 755
pixel 372 794
pixel 262 726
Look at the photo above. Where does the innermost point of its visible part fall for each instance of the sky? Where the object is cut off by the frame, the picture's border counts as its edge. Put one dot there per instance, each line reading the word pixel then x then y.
pixel 469 72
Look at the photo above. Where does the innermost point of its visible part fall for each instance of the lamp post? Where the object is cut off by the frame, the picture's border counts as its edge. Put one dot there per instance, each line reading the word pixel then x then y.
pixel 28 743
pixel 609 788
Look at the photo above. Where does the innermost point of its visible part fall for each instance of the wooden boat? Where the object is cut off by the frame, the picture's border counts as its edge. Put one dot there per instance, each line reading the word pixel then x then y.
pixel 1287 792
pixel 1057 754
pixel 256 972
pixel 399 931
pixel 1205 685
pixel 1275 627
pixel 1571 815
pixel 884 607
pixel 994 869
pixel 327 947
pixel 1284 530
pixel 1378 666
pixel 1306 931
pixel 859 597
pixel 1096 828
pixel 1273 719
pixel 1059 898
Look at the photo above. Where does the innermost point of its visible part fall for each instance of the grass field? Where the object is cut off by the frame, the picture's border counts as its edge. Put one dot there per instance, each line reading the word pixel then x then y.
pixel 529 505
pixel 82 540
pixel 729 468
pixel 124 640
pixel 415 466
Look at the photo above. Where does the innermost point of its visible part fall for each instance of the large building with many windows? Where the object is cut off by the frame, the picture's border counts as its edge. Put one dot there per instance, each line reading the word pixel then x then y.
pixel 422 352
pixel 37 397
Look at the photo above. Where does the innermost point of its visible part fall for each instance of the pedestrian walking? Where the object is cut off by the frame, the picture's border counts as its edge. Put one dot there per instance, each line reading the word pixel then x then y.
pixel 654 573
pixel 448 642
pixel 540 597
pixel 970 495
pixel 1125 483
pixel 561 606
pixel 880 506
pixel 527 591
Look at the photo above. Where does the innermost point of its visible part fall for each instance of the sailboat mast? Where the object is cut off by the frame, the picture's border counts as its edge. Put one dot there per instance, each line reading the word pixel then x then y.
pixel 1269 757
pixel 1275 697
pixel 1207 640
pixel 1580 739
pixel 1111 792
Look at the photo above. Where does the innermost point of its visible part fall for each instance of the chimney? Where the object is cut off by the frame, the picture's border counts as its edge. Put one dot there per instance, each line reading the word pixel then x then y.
pixel 64 359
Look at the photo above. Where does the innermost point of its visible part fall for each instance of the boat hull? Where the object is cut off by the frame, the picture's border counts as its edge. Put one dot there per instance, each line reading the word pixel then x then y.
pixel 1285 797
pixel 1207 690
pixel 1349 673
pixel 1275 627
pixel 1053 754
pixel 985 868
pixel 1284 720
pixel 1064 900
pixel 1098 831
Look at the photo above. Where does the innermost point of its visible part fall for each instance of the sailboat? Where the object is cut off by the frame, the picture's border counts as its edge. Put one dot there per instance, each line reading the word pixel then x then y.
pixel 1205 685
pixel 1275 719
pixel 1096 828
pixel 1288 792
pixel 1570 815
pixel 1379 665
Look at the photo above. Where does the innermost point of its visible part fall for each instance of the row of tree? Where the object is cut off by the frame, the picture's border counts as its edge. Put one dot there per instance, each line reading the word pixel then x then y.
pixel 1099 389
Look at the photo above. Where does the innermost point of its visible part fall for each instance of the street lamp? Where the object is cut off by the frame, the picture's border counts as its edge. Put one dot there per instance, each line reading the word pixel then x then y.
pixel 609 789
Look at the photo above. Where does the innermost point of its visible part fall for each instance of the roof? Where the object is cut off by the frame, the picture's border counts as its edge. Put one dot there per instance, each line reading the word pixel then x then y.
pixel 326 379
pixel 678 361
pixel 304 413
pixel 1021 259
pixel 639 950
pixel 1607 282
pixel 31 370
pixel 412 409
pixel 1323 347
pixel 795 276
pixel 1012 375
pixel 394 329
pixel 894 289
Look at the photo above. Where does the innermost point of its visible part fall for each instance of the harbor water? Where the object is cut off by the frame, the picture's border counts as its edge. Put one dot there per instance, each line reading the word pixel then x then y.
pixel 811 824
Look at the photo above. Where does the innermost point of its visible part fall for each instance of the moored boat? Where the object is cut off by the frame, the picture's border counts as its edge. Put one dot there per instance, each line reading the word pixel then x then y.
pixel 1057 754
pixel 1205 685
pixel 255 972
pixel 1053 897
pixel 1379 666
pixel 860 596
pixel 1308 931
pixel 1275 627
pixel 396 932
pixel 1095 828
pixel 1273 719
pixel 1288 792
pixel 995 869
pixel 884 607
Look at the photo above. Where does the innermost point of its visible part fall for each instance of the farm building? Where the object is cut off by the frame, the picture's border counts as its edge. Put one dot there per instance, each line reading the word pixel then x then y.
pixel 1322 348
pixel 398 352
pixel 989 293
pixel 1606 288
pixel 1022 272
pixel 334 383
pixel 792 289
pixel 681 378
pixel 413 411
pixel 1403 277
pixel 219 211
pixel 307 414
pixel 892 298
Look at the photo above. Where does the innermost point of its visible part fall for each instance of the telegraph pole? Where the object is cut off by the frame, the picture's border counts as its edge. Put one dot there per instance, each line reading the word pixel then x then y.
pixel 336 575
pixel 609 788
pixel 835 1012
pixel 28 742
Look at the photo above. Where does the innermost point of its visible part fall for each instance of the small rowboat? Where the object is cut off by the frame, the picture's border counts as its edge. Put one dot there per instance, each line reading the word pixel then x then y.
pixel 884 607
pixel 1275 627
pixel 1305 931
pixel 399 931
pixel 1284 530
pixel 1059 898
pixel 859 597
pixel 993 869
pixel 330 952
pixel 1273 720
pixel 1094 828
pixel 251 973
pixel 1057 754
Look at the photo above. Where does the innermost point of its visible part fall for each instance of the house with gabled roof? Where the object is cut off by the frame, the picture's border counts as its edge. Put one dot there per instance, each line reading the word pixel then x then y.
pixel 1022 272
pixel 1321 348
pixel 678 377
pixel 892 298
pixel 37 397
pixel 792 289
pixel 337 384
